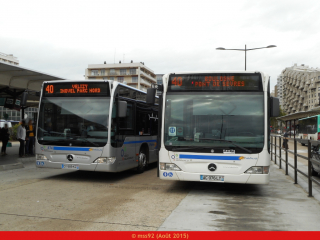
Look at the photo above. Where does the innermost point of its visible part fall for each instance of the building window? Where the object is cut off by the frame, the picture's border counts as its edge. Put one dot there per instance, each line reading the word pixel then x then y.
pixel 112 71
pixel 120 79
pixel 134 79
pixel 111 78
pixel 159 79
pixel 105 78
pixel 133 71
pixel 103 72
pixel 123 71
pixel 94 73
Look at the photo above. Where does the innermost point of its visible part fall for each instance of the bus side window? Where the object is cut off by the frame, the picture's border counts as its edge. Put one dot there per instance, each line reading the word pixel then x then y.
pixel 114 128
pixel 154 124
pixel 146 124
pixel 127 122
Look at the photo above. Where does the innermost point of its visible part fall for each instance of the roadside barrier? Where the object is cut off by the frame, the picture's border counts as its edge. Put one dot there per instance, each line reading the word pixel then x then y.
pixel 312 145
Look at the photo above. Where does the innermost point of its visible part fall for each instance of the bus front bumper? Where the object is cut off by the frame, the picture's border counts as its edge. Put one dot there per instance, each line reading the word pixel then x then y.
pixel 76 166
pixel 227 178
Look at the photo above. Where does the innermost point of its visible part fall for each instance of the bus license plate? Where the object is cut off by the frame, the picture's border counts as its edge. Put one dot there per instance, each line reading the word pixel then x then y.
pixel 70 166
pixel 212 178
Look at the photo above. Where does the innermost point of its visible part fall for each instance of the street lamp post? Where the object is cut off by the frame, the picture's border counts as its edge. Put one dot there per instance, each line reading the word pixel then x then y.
pixel 245 52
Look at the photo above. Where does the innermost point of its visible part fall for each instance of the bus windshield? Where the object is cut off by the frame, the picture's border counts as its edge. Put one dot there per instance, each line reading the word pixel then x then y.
pixel 214 122
pixel 73 121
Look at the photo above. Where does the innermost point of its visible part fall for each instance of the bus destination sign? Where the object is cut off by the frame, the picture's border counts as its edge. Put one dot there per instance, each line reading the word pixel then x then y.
pixel 215 82
pixel 79 89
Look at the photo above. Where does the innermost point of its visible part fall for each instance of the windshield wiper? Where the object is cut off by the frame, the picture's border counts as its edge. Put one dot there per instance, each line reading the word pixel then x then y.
pixel 55 142
pixel 222 140
pixel 188 148
pixel 86 140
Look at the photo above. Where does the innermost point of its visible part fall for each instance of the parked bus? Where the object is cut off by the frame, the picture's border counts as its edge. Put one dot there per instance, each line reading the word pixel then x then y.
pixel 95 126
pixel 308 129
pixel 215 127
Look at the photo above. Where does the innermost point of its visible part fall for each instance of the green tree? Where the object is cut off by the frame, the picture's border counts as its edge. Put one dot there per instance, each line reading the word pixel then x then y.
pixel 13 134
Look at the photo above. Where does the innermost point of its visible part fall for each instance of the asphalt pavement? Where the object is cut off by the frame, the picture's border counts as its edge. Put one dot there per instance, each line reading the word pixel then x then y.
pixel 40 199
pixel 12 160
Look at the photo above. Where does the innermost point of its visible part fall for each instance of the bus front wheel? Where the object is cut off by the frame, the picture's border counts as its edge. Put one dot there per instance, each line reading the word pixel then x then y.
pixel 142 161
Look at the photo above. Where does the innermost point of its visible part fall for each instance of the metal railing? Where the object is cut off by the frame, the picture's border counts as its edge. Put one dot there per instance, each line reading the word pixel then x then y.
pixel 274 156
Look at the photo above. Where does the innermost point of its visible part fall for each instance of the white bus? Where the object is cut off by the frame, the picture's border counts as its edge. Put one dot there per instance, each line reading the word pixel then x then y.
pixel 215 127
pixel 309 129
pixel 95 126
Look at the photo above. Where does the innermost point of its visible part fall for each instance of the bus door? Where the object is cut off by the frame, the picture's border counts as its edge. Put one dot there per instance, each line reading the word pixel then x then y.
pixel 123 138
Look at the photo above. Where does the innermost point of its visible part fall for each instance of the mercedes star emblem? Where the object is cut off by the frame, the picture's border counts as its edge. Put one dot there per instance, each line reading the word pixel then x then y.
pixel 70 157
pixel 212 167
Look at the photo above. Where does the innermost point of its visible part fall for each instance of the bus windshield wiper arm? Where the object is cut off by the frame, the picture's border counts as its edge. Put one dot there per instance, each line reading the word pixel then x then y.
pixel 86 140
pixel 188 148
pixel 55 142
pixel 222 140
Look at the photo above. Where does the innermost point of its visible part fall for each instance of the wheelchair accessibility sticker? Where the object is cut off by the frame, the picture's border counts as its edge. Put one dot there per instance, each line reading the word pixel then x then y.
pixel 172 131
pixel 40 163
pixel 169 174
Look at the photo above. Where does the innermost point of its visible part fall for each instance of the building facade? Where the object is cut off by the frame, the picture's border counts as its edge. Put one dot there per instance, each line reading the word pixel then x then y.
pixel 159 78
pixel 280 90
pixel 301 88
pixel 9 59
pixel 14 115
pixel 136 75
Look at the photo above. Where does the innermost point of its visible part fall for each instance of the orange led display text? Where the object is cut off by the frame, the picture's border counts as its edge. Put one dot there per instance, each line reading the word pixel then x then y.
pixel 212 81
pixel 75 88
pixel 50 89
pixel 215 82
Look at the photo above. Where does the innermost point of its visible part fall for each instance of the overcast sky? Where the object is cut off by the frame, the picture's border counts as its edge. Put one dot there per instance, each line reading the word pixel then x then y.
pixel 62 37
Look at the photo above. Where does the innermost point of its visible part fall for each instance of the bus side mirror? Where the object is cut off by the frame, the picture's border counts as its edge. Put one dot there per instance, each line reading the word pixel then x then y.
pixel 151 96
pixel 274 107
pixel 122 109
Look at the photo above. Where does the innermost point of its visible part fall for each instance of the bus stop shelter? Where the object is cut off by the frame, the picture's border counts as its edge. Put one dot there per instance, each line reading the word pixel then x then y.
pixel 293 117
pixel 14 80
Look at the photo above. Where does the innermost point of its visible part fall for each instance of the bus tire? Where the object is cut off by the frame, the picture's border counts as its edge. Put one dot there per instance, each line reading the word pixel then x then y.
pixel 142 161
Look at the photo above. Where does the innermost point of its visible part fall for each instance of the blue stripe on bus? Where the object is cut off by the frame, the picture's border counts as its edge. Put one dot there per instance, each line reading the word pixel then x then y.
pixel 71 149
pixel 139 141
pixel 233 158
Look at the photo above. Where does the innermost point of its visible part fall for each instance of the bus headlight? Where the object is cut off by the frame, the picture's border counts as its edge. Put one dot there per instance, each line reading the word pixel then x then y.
pixel 108 160
pixel 41 157
pixel 258 170
pixel 169 166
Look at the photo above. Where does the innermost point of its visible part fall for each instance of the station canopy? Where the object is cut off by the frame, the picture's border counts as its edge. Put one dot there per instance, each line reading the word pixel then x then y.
pixel 299 115
pixel 14 80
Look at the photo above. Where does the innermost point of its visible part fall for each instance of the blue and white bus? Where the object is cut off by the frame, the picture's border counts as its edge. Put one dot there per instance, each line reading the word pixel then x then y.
pixel 215 127
pixel 95 126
